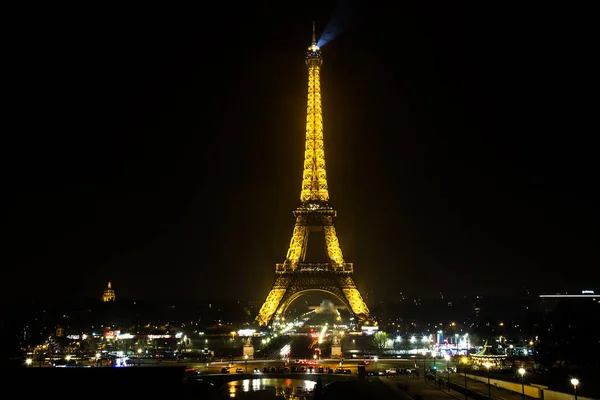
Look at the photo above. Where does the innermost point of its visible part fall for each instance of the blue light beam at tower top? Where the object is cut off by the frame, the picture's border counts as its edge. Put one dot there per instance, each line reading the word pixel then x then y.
pixel 337 24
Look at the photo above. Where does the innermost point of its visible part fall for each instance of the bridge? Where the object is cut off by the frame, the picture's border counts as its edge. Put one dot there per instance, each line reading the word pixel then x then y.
pixel 219 380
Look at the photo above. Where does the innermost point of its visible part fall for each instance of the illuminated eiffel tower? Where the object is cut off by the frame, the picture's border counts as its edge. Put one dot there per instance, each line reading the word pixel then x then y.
pixel 297 275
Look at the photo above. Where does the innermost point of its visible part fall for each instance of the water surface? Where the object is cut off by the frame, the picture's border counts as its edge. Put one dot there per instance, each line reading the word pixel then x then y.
pixel 270 388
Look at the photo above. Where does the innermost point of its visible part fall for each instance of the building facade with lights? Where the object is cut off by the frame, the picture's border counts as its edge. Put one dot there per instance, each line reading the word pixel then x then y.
pixel 109 294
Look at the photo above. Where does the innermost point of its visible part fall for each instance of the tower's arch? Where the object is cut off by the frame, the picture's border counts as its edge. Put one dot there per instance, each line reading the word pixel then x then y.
pixel 292 298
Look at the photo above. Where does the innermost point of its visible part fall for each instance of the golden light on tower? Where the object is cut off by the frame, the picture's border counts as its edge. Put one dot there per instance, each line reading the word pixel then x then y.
pixel 297 275
pixel 314 177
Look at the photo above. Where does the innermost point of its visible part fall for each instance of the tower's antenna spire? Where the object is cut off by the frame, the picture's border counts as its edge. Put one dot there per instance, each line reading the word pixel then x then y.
pixel 314 42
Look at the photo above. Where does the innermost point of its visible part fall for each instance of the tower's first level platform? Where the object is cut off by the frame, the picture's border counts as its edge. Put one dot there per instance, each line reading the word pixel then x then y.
pixel 314 267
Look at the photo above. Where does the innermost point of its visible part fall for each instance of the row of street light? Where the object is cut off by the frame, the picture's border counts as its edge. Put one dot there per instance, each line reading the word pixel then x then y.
pixel 464 360
pixel 521 371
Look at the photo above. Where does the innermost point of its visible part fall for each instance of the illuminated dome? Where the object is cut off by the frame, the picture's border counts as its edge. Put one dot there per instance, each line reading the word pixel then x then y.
pixel 109 294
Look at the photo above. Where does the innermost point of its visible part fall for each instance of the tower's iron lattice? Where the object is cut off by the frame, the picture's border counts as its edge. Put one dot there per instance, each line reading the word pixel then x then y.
pixel 296 275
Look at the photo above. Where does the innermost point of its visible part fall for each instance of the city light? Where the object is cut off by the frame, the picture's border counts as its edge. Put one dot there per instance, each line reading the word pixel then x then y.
pixel 222 291
pixel 285 350
pixel 574 381
pixel 323 331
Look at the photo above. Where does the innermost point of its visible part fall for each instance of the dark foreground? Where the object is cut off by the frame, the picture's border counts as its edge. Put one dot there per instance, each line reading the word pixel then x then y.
pixel 94 383
pixel 157 382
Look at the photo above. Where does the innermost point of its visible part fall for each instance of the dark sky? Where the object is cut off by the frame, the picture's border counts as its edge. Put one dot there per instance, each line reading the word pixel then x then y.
pixel 161 149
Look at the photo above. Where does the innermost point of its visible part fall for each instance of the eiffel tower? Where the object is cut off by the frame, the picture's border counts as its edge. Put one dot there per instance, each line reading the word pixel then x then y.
pixel 297 275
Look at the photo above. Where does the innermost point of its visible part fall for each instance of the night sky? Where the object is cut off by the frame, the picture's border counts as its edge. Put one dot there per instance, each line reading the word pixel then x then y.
pixel 161 149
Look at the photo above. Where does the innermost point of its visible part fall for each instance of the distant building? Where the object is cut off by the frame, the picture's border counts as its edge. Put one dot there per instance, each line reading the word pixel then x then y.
pixel 490 355
pixel 585 294
pixel 549 302
pixel 109 294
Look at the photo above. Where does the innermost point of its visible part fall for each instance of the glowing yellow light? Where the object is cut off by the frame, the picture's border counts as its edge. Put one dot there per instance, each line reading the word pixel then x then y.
pixel 574 381
pixel 314 195
pixel 464 360
pixel 109 294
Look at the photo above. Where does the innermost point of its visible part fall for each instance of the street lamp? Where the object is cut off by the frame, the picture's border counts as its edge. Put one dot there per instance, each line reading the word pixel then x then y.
pixel 465 360
pixel 575 382
pixel 376 370
pixel 246 361
pixel 447 357
pixel 512 356
pixel 488 365
pixel 522 373
pixel 29 361
pixel 456 336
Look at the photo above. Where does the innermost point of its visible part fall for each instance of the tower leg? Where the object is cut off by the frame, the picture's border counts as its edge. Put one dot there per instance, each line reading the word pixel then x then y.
pixel 273 300
pixel 333 245
pixel 354 299
pixel 298 242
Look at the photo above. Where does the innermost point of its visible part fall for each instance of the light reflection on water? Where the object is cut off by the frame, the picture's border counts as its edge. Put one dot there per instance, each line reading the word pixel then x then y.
pixel 272 388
